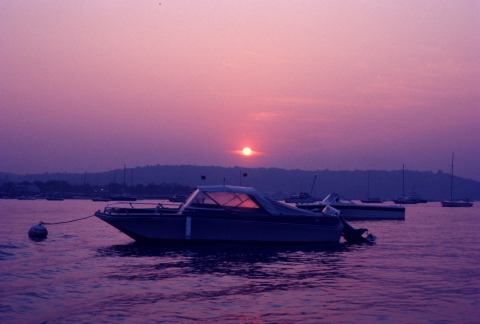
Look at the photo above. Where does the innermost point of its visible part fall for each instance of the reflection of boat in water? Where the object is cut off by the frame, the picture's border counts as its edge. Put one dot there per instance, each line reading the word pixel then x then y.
pixel 455 203
pixel 223 213
pixel 178 198
pixel 303 197
pixel 351 210
pixel 315 261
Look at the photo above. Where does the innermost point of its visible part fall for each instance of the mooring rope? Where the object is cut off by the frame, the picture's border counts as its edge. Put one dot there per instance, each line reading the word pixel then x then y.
pixel 70 221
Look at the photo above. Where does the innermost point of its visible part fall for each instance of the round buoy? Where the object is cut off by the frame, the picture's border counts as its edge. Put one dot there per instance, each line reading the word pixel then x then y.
pixel 37 231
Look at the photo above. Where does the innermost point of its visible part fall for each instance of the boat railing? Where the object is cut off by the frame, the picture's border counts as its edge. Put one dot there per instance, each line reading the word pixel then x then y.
pixel 143 204
pixel 141 207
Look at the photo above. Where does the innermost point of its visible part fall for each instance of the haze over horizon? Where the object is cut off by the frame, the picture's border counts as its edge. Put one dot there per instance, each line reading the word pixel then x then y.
pixel 90 86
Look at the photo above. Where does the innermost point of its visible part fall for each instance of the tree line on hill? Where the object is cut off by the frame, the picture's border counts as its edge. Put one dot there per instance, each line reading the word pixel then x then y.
pixel 274 182
pixel 67 190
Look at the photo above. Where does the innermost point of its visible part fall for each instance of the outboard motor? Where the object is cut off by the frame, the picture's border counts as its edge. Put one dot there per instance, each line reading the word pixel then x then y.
pixel 350 234
pixel 353 235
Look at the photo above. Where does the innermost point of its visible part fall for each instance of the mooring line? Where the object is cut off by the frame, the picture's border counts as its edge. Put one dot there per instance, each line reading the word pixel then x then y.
pixel 70 221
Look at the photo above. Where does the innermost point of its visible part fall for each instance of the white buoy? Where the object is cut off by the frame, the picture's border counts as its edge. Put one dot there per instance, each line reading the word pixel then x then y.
pixel 37 231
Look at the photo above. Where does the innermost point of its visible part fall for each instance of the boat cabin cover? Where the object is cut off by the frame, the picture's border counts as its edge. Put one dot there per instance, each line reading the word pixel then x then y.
pixel 238 199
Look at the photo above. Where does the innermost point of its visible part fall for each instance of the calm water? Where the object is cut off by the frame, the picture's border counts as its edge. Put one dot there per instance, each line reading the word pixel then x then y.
pixel 425 269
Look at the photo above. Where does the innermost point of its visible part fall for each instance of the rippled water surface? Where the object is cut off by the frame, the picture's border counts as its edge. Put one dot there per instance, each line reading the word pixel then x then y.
pixel 425 269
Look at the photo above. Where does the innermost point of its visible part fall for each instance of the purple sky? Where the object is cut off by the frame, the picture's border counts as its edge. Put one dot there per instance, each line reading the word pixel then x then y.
pixel 88 86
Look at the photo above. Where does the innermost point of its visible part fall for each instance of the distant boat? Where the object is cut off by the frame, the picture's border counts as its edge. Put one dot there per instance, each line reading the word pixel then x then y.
pixel 303 197
pixel 178 198
pixel 26 198
pixel 55 198
pixel 464 203
pixel 413 198
pixel 456 203
pixel 409 200
pixel 351 211
pixel 405 201
pixel 100 199
pixel 122 198
pixel 370 200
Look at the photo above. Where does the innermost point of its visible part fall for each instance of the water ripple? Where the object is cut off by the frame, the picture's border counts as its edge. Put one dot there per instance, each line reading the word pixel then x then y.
pixel 89 272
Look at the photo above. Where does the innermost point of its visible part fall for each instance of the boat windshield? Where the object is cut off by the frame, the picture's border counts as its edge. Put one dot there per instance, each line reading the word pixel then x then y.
pixel 229 200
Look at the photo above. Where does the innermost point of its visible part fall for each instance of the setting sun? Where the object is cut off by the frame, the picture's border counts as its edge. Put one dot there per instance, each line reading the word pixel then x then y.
pixel 247 151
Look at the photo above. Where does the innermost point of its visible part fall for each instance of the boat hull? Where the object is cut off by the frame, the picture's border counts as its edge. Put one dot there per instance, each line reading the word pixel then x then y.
pixel 121 198
pixel 299 200
pixel 372 201
pixel 362 212
pixel 267 229
pixel 456 204
pixel 405 202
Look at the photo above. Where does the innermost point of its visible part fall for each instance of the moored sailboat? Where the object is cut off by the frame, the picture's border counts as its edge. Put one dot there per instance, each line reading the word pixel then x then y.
pixel 370 200
pixel 455 203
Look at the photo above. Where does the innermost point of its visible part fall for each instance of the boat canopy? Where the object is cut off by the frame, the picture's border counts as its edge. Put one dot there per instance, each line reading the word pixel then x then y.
pixel 239 198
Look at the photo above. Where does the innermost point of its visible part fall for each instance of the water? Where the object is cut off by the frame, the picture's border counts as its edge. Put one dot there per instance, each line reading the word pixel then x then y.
pixel 424 270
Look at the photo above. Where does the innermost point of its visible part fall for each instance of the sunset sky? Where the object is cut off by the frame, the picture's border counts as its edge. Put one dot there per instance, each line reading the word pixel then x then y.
pixel 88 86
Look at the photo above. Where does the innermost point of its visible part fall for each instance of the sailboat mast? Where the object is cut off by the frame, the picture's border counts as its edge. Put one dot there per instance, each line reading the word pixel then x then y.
pixel 124 182
pixel 368 185
pixel 451 183
pixel 403 182
pixel 314 178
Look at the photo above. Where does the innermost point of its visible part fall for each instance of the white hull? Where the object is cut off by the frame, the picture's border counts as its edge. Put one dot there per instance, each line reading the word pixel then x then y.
pixel 352 211
pixel 363 212
pixel 373 214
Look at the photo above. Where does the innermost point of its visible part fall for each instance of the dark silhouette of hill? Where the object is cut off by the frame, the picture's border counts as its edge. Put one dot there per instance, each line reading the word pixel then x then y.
pixel 279 183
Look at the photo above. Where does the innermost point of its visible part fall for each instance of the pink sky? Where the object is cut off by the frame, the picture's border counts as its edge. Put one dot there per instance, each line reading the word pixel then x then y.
pixel 88 86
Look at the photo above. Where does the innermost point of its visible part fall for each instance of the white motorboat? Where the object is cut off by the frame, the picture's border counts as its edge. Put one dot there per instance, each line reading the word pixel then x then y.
pixel 350 210
pixel 223 213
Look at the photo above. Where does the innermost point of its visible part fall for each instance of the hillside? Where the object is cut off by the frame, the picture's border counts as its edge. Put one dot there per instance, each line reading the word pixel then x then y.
pixel 279 182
